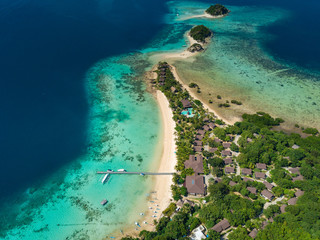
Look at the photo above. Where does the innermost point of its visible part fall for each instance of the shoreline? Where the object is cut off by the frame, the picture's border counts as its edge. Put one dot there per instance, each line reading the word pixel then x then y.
pixel 160 196
pixel 193 95
pixel 204 15
pixel 181 55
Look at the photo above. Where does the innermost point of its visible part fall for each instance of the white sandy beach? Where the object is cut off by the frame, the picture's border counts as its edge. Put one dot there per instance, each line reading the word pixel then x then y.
pixel 178 55
pixel 160 197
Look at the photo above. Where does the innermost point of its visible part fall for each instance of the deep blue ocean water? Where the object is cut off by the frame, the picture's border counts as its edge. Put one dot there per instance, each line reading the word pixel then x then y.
pixel 46 48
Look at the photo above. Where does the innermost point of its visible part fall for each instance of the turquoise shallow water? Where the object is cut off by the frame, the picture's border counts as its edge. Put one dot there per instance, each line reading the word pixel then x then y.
pixel 125 127
pixel 124 132
pixel 235 66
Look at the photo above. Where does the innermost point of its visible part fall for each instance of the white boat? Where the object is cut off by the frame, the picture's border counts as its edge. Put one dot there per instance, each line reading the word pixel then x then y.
pixel 136 223
pixel 104 202
pixel 121 170
pixel 105 178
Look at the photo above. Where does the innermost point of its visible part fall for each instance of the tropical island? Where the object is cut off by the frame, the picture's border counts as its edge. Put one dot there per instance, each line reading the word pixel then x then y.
pixel 200 33
pixel 217 10
pixel 241 181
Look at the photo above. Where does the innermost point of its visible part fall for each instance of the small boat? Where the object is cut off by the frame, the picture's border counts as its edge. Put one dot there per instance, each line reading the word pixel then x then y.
pixel 154 216
pixel 105 178
pixel 142 174
pixel 150 207
pixel 145 222
pixel 141 214
pixel 136 223
pixel 155 211
pixel 110 170
pixel 104 202
pixel 184 45
pixel 121 170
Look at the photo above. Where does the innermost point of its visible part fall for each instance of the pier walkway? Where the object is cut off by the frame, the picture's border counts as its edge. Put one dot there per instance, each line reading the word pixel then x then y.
pixel 137 173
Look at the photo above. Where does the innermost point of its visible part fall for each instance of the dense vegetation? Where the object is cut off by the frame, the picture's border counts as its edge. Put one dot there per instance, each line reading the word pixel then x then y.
pixel 257 143
pixel 217 10
pixel 200 33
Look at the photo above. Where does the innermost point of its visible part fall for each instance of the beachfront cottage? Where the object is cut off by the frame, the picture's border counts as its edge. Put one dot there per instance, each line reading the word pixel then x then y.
pixel 268 195
pixel 226 153
pixel 186 103
pixel 261 166
pixel 253 190
pixel 227 161
pixel 260 175
pixel 195 185
pixel 229 170
pixel 195 162
pixel 221 226
pixel 269 186
pixel 197 148
pixel 253 233
pixel 299 193
pixel 226 144
pixel 292 201
pixel 246 171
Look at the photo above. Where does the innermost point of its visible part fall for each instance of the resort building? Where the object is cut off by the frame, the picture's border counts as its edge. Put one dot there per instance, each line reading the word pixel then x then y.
pixel 260 175
pixel 252 190
pixel 227 161
pixel 292 201
pixel 226 144
pixel 246 171
pixel 226 153
pixel 197 148
pixel 197 233
pixel 247 179
pixel 195 162
pixel 195 185
pixel 261 166
pixel 229 170
pixel 186 103
pixel 253 233
pixel 197 143
pixel 299 193
pixel 294 170
pixel 221 226
pixel 283 208
pixel 298 178
pixel 268 185
pixel 268 195
pixel 212 150
pixel 232 183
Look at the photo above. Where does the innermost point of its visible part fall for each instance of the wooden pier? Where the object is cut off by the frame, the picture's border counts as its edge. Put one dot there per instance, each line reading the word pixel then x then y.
pixel 137 173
